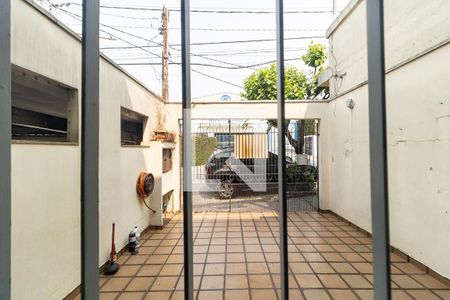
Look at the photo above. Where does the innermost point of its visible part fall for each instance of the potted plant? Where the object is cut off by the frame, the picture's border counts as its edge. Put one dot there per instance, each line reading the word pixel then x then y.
pixel 161 134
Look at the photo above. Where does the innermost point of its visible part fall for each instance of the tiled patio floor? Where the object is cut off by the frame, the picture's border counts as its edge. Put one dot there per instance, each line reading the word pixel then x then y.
pixel 236 257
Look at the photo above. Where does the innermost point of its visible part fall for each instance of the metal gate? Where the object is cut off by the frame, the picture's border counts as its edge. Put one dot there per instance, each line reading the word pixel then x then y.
pixel 235 165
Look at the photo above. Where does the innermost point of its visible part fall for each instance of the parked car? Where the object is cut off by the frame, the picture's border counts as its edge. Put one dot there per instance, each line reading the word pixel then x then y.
pixel 222 170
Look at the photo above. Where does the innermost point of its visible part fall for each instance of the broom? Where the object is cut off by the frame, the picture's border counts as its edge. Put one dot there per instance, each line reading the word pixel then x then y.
pixel 111 266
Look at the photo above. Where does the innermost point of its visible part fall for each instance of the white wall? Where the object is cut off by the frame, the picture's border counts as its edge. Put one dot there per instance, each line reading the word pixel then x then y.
pixel 418 117
pixel 121 165
pixel 46 177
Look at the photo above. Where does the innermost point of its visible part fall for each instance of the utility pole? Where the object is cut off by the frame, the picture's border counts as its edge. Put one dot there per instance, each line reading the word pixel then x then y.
pixel 165 54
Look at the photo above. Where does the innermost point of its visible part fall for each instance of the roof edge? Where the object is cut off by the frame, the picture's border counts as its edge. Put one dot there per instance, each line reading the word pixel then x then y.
pixel 102 55
pixel 342 16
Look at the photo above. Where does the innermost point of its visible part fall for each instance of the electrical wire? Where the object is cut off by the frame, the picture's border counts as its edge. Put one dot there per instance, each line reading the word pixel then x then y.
pixel 133 46
pixel 210 65
pixel 248 29
pixel 263 52
pixel 151 41
pixel 227 42
pixel 215 78
pixel 215 11
pixel 77 17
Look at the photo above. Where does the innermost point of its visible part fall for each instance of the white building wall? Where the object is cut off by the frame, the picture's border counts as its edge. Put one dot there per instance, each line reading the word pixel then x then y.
pixel 418 111
pixel 46 177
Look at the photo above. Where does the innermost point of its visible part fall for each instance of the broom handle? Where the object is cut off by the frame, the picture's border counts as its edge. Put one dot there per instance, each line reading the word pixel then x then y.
pixel 113 246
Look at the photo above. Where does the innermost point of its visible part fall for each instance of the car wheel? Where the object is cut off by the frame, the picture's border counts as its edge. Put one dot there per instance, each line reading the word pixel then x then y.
pixel 226 190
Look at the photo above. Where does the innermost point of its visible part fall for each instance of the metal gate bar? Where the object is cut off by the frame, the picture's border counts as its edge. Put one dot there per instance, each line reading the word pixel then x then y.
pixel 187 146
pixel 224 147
pixel 5 149
pixel 90 151
pixel 378 149
pixel 282 194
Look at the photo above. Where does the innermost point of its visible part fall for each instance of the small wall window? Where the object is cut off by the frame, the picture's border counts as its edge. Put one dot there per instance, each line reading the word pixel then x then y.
pixel 167 160
pixel 42 109
pixel 132 126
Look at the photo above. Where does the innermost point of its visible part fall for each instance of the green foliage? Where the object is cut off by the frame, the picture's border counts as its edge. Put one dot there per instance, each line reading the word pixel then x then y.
pixel 306 176
pixel 262 84
pixel 310 127
pixel 316 56
pixel 204 146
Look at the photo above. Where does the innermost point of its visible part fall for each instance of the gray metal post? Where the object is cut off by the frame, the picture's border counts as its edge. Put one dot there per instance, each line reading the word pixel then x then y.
pixel 282 196
pixel 229 157
pixel 5 149
pixel 378 149
pixel 90 151
pixel 187 146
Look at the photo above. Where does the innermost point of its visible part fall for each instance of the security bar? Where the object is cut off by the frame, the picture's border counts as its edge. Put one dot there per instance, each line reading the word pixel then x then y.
pixel 187 146
pixel 378 149
pixel 90 151
pixel 281 120
pixel 5 149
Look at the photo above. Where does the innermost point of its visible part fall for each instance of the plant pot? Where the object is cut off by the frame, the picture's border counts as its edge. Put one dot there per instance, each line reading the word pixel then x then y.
pixel 161 135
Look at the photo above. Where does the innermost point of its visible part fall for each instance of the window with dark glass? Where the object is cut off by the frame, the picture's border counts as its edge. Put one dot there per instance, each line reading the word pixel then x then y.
pixel 131 127
pixel 42 109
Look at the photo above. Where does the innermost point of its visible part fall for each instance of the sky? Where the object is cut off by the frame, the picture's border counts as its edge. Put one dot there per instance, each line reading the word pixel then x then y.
pixel 131 37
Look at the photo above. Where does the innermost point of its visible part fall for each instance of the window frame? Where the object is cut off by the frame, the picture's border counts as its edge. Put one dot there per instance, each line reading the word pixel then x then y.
pixel 48 90
pixel 128 116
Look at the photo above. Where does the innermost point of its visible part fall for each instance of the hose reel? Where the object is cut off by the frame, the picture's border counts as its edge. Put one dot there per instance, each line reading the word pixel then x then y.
pixel 144 187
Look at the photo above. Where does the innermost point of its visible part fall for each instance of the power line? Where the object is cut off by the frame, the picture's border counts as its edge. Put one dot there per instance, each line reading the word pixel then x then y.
pixel 232 52
pixel 225 42
pixel 159 44
pixel 78 17
pixel 215 78
pixel 254 52
pixel 249 29
pixel 214 11
pixel 209 65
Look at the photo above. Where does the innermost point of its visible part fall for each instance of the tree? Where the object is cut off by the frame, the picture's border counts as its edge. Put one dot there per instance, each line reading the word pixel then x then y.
pixel 262 85
pixel 315 59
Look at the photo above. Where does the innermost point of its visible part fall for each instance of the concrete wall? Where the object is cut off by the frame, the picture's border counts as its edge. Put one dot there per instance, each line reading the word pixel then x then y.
pixel 418 109
pixel 46 176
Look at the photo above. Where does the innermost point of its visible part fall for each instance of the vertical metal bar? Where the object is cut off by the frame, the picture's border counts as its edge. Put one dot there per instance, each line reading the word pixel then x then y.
pixel 317 164
pixel 282 195
pixel 229 157
pixel 90 151
pixel 378 149
pixel 5 149
pixel 187 146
